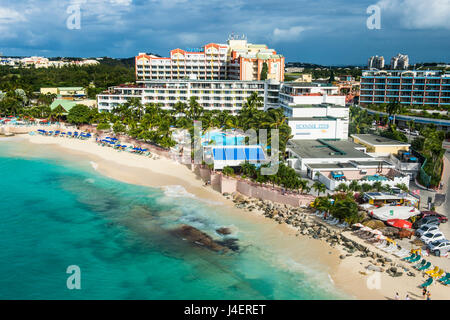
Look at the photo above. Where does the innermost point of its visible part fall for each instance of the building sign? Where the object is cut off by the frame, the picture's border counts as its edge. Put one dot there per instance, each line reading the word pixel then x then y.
pixel 194 49
pixel 313 126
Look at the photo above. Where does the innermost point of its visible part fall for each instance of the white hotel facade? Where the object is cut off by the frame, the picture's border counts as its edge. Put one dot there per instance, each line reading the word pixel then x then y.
pixel 212 95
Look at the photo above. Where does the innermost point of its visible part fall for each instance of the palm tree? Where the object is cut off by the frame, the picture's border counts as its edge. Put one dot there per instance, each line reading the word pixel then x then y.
pixel 319 187
pixel 402 187
pixel 195 110
pixel 58 112
pixel 342 187
pixel 303 184
pixel 366 187
pixel 392 109
pixel 377 186
pixel 354 186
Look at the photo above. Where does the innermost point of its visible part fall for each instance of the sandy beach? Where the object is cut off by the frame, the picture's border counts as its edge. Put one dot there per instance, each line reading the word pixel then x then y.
pixel 349 274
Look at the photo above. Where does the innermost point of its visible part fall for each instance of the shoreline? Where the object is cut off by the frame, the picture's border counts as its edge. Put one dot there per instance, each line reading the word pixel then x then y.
pixel 346 273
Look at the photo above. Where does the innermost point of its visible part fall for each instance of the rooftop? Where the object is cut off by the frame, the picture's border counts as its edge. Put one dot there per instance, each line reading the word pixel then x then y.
pixel 375 140
pixel 308 84
pixel 324 118
pixel 343 149
pixel 322 105
pixel 348 165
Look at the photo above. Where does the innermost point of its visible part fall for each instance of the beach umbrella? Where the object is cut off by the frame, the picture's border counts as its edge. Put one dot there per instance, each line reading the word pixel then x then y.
pixel 399 223
pixel 358 225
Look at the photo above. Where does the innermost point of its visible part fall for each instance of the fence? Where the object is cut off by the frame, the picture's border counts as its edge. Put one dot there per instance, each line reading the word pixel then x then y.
pixel 227 184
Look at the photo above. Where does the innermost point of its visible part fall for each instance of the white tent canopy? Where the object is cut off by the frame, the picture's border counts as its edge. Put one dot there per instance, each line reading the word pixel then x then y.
pixel 394 212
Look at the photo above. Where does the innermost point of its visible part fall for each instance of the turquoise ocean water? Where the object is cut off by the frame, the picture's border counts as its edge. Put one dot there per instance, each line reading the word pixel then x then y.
pixel 55 213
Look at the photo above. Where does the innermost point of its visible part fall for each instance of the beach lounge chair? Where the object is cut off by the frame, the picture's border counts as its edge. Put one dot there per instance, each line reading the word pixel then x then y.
pixel 438 274
pixel 389 248
pixel 410 257
pixel 426 266
pixel 430 272
pixel 445 277
pixel 381 244
pixel 334 221
pixel 415 259
pixel 421 263
pixel 401 253
pixel 427 283
pixel 343 225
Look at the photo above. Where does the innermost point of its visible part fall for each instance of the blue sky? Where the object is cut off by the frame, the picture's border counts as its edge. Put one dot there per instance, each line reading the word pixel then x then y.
pixel 329 32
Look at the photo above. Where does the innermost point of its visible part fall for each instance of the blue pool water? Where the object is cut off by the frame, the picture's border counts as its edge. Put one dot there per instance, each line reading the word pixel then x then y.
pixel 222 139
pixel 56 213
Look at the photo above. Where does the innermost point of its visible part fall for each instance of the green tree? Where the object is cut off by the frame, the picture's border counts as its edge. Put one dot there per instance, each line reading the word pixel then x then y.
pixel 319 187
pixel 264 71
pixel 79 114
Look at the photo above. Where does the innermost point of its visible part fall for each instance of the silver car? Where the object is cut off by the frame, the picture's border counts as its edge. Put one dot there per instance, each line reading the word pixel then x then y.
pixel 431 237
pixel 440 247
pixel 427 228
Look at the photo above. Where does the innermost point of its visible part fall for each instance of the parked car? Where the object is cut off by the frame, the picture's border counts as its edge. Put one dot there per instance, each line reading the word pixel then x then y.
pixel 427 228
pixel 426 220
pixel 431 237
pixel 415 133
pixel 439 247
pixel 442 218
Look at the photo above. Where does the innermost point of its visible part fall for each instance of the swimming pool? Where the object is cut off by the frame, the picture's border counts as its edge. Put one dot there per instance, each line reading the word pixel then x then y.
pixel 222 139
pixel 375 178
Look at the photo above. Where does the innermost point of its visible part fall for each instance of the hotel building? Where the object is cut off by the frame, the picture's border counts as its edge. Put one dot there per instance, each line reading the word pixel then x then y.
pixel 412 87
pixel 376 62
pixel 400 61
pixel 236 60
pixel 211 95
pixel 308 93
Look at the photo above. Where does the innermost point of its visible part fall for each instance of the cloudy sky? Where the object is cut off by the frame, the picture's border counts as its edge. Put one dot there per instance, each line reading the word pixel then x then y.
pixel 330 32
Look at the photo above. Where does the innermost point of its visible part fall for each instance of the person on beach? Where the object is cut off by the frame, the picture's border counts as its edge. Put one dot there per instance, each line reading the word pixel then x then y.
pixel 397 297
pixel 424 292
pixel 428 295
pixel 407 297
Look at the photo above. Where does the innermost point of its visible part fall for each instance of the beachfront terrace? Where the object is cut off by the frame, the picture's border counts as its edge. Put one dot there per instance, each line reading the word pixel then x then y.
pixel 369 172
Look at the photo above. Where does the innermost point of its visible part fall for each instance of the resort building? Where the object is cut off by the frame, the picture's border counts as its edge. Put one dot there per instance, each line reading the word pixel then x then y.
pixel 236 60
pixel 400 61
pixel 69 93
pixel 412 87
pixel 335 162
pixel 302 93
pixel 305 152
pixel 375 62
pixel 38 62
pixel 322 121
pixel 212 95
pixel 380 146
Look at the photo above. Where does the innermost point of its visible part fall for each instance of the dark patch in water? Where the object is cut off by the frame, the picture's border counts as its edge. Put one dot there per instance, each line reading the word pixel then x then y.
pixel 230 243
pixel 197 237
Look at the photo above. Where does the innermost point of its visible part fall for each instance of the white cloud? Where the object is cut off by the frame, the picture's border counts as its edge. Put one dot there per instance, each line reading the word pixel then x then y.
pixel 418 14
pixel 121 2
pixel 10 16
pixel 289 34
